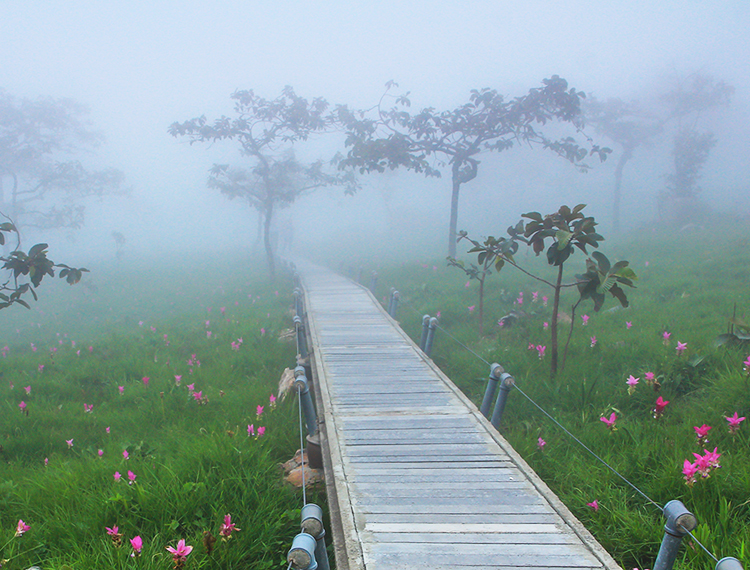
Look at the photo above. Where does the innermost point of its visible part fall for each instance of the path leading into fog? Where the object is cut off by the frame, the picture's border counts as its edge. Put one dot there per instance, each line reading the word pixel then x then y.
pixel 416 476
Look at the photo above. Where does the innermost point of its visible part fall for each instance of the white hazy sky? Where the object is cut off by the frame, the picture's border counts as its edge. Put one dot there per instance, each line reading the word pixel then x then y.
pixel 140 65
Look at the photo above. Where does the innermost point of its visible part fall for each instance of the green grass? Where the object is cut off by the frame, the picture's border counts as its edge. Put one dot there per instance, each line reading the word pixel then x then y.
pixel 194 462
pixel 688 286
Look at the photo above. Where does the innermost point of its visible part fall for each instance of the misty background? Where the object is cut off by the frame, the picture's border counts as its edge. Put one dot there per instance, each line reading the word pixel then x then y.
pixel 140 66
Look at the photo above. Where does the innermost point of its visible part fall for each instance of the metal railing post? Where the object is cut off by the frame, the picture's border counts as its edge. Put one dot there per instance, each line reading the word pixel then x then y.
pixel 301 338
pixel 425 328
pixel 300 382
pixel 302 554
pixel 728 563
pixel 506 383
pixel 373 281
pixel 312 524
pixel 680 521
pixel 430 336
pixel 393 305
pixel 298 301
pixel 489 394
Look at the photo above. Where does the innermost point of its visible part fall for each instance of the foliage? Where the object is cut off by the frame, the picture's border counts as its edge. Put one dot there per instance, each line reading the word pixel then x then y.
pixel 34 265
pixel 39 144
pixel 267 130
pixel 567 229
pixel 427 140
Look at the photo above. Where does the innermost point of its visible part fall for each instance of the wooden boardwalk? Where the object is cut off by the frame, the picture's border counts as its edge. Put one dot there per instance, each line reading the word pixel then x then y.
pixel 416 476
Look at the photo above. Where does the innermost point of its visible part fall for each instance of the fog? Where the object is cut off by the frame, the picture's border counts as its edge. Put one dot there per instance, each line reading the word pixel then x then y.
pixel 140 66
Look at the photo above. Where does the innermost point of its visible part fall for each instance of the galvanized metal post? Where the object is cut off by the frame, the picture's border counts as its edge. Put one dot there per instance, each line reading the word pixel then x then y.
pixel 302 554
pixel 393 304
pixel 300 382
pixel 489 394
pixel 430 336
pixel 680 521
pixel 506 383
pixel 301 337
pixel 298 302
pixel 728 563
pixel 425 328
pixel 373 281
pixel 312 524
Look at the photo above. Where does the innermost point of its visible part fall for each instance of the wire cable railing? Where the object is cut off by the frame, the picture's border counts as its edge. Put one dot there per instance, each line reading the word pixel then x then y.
pixel 680 521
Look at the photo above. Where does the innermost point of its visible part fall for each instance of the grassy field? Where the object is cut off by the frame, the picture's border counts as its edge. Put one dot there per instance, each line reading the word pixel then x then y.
pixel 688 286
pixel 125 403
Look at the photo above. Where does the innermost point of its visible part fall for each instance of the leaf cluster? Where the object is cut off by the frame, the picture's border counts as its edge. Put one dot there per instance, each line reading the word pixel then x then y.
pixel 602 277
pixel 567 228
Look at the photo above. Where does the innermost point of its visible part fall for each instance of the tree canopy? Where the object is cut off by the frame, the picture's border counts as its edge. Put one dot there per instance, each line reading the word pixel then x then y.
pixel 429 140
pixel 42 180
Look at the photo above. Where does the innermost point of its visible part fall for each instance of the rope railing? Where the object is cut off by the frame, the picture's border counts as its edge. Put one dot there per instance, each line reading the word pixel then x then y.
pixel 308 551
pixel 679 521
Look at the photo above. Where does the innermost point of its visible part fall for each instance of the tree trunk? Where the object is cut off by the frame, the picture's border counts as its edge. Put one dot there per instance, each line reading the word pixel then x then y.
pixel 626 155
pixel 267 240
pixel 453 228
pixel 553 324
pixel 481 307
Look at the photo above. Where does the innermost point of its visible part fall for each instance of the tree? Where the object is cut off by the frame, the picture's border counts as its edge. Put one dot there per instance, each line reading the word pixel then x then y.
pixel 568 229
pixel 39 142
pixel 395 138
pixel 630 127
pixel 267 130
pixel 33 266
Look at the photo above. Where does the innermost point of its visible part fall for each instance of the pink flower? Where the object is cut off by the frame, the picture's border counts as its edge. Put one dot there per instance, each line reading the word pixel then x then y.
pixel 545 325
pixel 223 310
pixel 628 325
pixel 46 461
pixel 746 365
pixel 272 401
pixel 468 284
pixel 261 431
pixel 137 544
pixel 117 476
pixel 180 553
pixel 534 296
pixel 146 380
pixel 689 470
pixel 610 423
pixel 21 528
pixel 471 308
pixel 593 341
pixel 88 408
pixel 259 411
pixel 681 347
pixel 228 527
pixel 593 504
pixel 532 346
pixel 734 422
pixel 191 387
pixel 438 316
pixel 100 452
pixel 91 348
pixel 665 335
pixel 585 319
pixel 22 405
pixel 177 379
pixel 198 396
pixel 209 334
pixel 121 389
pixel 27 389
pixel 41 368
pixel 632 382
pixel 106 429
pixel 659 407
pixel 649 377
pixel 114 531
pixel 544 300
pixel 262 331
pixel 251 430
pixel 540 443
pixel 69 442
pixel 131 477
pixel 125 454
pixel 701 433
pixel 540 350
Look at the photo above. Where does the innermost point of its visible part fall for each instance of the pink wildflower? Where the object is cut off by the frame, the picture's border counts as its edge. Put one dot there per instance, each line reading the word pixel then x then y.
pixel 540 443
pixel 88 408
pixel 593 341
pixel 121 389
pixel 471 308
pixel 632 382
pixel 272 401
pixel 689 470
pixel 540 350
pixel 665 336
pixel 628 325
pixel 117 476
pixel 585 319
pixel 131 477
pixel 27 389
pixel 468 284
pixel 681 347
pixel 734 422
pixel 106 429
pixel 545 325
pixel 146 380
pixel 701 433
pixel 91 349
pixel 41 368
pixel 262 331
pixel 137 544
pixel 593 504
pixel 198 396
pixel 100 453
pixel 22 405
pixel 544 300
pixel 114 531
pixel 21 528
pixel 610 423
pixel 177 379
pixel 661 403
pixel 228 527
pixel 259 411
pixel 125 454
pixel 534 296
pixel 180 553
pixel 209 334
pixel 649 377
pixel 191 387
pixel 261 431
pixel 251 430
pixel 69 442
pixel 746 365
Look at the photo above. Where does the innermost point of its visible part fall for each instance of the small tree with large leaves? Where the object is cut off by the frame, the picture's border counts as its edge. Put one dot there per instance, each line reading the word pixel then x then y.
pixel 566 229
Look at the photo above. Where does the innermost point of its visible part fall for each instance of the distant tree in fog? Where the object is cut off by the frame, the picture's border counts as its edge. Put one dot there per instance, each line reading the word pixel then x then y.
pixel 429 140
pixel 628 126
pixel 42 181
pixel 267 130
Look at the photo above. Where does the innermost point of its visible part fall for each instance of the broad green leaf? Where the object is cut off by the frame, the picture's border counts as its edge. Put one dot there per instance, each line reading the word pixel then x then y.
pixel 563 239
pixel 602 260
